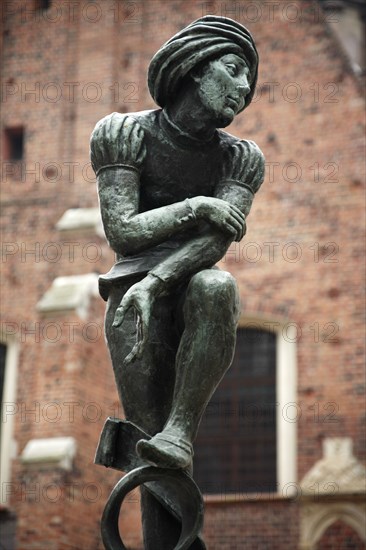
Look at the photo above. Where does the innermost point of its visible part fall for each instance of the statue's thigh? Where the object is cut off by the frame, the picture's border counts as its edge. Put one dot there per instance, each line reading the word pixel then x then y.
pixel 146 385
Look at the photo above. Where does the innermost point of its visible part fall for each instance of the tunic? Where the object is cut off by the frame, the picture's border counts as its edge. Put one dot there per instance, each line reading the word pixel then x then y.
pixel 172 166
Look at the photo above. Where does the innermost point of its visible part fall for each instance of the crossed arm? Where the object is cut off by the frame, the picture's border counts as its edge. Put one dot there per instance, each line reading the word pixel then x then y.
pixel 130 232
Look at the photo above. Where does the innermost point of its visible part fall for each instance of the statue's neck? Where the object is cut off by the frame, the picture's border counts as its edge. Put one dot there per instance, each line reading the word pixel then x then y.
pixel 183 134
pixel 189 116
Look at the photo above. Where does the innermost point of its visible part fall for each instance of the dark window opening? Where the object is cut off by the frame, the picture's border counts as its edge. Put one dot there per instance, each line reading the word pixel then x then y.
pixel 235 450
pixel 14 143
pixel 7 530
pixel 42 4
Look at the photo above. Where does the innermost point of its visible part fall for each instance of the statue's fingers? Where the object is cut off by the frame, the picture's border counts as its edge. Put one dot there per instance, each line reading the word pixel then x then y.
pixel 241 233
pixel 237 229
pixel 120 314
pixel 234 207
pixel 235 211
pixel 139 327
pixel 244 230
pixel 144 321
pixel 235 217
pixel 228 228
pixel 238 221
pixel 132 355
pixel 141 345
pixel 235 224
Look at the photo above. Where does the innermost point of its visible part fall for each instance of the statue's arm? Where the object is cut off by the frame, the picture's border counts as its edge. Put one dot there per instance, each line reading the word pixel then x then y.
pixel 128 231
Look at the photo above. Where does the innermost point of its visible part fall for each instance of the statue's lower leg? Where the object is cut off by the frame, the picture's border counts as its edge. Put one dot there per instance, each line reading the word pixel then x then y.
pixel 204 355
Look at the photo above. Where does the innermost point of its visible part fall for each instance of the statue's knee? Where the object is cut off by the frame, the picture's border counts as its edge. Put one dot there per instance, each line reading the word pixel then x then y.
pixel 215 290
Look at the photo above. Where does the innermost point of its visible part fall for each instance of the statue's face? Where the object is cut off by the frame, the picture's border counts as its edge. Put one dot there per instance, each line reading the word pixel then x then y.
pixel 223 86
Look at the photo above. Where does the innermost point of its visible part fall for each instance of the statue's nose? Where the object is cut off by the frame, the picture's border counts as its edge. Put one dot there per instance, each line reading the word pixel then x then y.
pixel 244 89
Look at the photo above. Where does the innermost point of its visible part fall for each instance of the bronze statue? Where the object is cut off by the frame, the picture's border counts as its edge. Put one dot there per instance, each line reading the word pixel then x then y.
pixel 175 192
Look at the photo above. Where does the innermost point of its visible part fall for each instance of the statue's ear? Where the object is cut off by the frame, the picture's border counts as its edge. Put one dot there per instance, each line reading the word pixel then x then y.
pixel 195 75
pixel 197 72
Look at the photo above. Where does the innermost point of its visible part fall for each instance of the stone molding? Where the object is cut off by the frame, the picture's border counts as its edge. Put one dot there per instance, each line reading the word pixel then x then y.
pixel 338 472
pixel 69 293
pixel 54 451
pixel 8 443
pixel 81 220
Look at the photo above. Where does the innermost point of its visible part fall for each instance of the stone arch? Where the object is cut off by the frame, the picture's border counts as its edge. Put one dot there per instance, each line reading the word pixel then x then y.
pixel 317 518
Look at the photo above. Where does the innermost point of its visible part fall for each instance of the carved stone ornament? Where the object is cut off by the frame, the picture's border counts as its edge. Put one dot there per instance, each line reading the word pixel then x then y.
pixel 175 191
pixel 338 472
pixel 334 489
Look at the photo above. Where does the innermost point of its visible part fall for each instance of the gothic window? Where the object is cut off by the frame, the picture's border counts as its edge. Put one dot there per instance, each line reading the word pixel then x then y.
pixel 235 450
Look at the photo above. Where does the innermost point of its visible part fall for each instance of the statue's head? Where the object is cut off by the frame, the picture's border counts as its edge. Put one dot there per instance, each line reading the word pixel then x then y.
pixel 218 55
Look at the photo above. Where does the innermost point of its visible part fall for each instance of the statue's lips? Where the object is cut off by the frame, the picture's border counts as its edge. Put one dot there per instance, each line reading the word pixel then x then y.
pixel 234 103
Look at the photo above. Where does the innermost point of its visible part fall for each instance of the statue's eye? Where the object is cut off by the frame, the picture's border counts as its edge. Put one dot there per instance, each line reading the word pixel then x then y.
pixel 232 68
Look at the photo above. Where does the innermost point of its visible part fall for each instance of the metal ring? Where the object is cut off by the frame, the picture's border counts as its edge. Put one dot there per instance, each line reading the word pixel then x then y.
pixel 188 496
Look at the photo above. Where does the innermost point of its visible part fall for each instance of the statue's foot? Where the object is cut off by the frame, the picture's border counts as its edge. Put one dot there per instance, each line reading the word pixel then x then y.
pixel 166 451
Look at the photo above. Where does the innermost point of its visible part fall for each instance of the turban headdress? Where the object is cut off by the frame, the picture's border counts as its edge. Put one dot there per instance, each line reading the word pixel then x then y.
pixel 204 39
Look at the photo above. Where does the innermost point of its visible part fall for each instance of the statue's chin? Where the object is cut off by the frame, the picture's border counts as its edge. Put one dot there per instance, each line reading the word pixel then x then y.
pixel 224 116
pixel 224 119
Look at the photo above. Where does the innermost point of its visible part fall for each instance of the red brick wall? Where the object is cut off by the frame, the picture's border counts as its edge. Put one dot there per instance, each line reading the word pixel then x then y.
pixel 307 118
pixel 266 525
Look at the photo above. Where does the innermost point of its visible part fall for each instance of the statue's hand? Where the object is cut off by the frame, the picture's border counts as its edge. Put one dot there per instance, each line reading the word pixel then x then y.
pixel 141 297
pixel 220 213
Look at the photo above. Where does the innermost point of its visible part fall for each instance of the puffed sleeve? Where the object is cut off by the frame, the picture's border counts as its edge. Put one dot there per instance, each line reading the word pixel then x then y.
pixel 117 141
pixel 242 174
pixel 244 162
